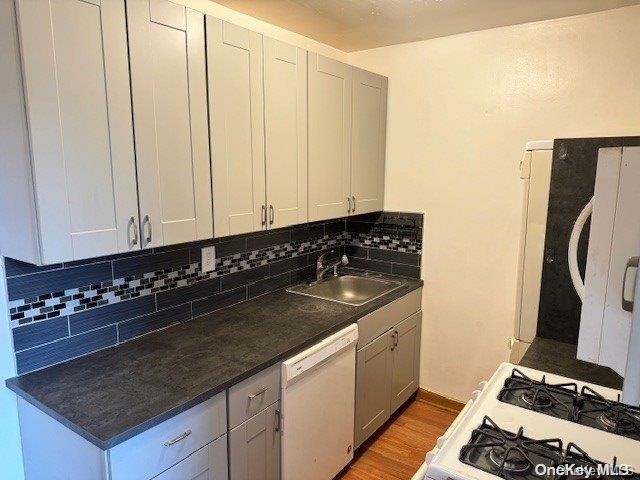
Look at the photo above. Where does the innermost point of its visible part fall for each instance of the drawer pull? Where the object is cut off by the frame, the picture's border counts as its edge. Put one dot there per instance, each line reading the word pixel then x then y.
pixel 179 438
pixel 258 393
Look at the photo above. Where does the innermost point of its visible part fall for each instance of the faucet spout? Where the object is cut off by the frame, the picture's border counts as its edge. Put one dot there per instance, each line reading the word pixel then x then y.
pixel 322 268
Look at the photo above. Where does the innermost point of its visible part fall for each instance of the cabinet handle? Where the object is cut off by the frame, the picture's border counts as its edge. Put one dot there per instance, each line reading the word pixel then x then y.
pixel 354 203
pixel 258 393
pixel 394 340
pixel 277 415
pixel 130 241
pixel 179 438
pixel 263 215
pixel 349 201
pixel 271 214
pixel 627 305
pixel 147 222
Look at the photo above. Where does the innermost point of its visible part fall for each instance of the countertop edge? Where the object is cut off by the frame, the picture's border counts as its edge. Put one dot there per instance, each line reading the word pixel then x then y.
pixel 172 412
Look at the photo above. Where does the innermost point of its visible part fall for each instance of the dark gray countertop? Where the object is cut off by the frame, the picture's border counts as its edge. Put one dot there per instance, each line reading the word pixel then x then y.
pixel 112 395
pixel 561 358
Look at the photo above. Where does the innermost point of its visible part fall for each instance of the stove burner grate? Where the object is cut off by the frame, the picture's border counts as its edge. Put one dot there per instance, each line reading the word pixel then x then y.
pixel 506 454
pixel 596 411
pixel 563 401
pixel 513 456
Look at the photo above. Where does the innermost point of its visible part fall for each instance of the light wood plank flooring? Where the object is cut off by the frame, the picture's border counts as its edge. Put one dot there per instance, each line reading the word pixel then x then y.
pixel 396 451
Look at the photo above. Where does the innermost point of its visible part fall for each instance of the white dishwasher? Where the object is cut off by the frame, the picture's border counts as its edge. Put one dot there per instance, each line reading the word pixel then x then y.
pixel 318 397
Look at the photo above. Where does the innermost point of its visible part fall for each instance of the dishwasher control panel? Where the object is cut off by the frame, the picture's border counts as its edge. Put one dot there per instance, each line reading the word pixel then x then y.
pixel 319 353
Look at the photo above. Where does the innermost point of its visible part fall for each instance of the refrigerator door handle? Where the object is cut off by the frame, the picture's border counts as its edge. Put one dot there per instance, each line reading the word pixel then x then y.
pixel 627 305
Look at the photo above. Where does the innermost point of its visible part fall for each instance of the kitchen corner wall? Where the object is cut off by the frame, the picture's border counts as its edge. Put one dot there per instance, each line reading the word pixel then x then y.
pixel 460 111
pixel 62 311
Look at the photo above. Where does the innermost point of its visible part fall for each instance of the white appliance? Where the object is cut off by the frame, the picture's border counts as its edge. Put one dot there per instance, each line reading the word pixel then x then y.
pixel 318 400
pixel 535 172
pixel 612 262
pixel 443 462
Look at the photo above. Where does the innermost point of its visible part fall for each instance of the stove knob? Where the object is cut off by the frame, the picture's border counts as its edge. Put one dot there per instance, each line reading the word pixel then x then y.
pixel 474 395
pixel 481 385
pixel 430 456
pixel 440 441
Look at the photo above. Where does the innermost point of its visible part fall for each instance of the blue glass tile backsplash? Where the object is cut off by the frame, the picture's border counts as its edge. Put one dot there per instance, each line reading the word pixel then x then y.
pixel 62 311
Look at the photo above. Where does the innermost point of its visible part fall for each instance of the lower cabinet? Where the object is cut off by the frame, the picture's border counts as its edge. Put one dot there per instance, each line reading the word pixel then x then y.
pixel 405 363
pixel 373 389
pixel 208 463
pixel 387 371
pixel 254 447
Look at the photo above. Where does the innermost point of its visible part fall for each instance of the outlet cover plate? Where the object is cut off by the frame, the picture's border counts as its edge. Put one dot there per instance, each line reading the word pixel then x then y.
pixel 208 259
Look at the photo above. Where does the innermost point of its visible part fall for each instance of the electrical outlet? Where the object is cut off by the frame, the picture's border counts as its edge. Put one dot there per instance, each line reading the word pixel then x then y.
pixel 208 259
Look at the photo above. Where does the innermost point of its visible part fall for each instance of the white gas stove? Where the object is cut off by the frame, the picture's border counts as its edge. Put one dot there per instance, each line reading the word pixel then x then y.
pixel 523 418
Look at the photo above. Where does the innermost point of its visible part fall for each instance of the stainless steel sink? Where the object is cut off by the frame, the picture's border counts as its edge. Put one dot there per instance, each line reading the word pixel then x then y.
pixel 348 289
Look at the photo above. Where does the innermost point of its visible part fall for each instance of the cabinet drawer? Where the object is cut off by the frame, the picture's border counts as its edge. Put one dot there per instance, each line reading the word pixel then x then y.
pixel 376 323
pixel 164 445
pixel 253 394
pixel 210 462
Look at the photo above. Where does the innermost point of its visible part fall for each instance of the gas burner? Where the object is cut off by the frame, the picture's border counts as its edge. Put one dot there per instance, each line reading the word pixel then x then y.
pixel 563 401
pixel 614 421
pixel 541 400
pixel 612 416
pixel 507 454
pixel 556 399
pixel 513 456
pixel 516 464
pixel 576 457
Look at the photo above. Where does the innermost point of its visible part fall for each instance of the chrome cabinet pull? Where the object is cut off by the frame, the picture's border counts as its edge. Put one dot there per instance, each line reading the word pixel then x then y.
pixel 271 214
pixel 179 438
pixel 633 262
pixel 132 241
pixel 277 426
pixel 349 201
pixel 354 203
pixel 258 393
pixel 147 222
pixel 263 215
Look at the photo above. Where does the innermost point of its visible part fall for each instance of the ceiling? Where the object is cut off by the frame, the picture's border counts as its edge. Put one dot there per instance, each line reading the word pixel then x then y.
pixel 351 25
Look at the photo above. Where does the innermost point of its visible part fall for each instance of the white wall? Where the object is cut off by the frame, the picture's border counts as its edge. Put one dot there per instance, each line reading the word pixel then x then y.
pixel 460 111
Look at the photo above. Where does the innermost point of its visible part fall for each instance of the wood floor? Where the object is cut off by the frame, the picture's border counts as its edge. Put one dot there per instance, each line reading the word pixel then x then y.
pixel 396 451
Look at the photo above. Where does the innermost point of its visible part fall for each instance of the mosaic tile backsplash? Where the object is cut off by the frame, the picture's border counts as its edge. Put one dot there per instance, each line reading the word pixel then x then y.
pixel 66 310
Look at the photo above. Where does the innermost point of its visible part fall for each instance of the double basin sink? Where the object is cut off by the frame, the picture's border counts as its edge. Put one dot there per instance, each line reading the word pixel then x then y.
pixel 348 289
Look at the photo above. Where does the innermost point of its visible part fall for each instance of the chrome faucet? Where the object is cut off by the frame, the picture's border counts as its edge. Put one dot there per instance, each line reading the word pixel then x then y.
pixel 321 268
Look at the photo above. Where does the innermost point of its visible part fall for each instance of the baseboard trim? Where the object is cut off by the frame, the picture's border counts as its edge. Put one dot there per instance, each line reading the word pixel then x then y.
pixel 440 401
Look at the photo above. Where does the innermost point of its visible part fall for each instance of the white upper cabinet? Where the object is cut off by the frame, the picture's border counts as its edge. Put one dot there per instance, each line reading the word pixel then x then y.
pixel 285 116
pixel 237 128
pixel 368 141
pixel 76 83
pixel 330 88
pixel 169 89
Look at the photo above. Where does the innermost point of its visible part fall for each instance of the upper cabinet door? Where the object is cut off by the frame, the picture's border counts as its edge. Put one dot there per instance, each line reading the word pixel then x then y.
pixel 330 85
pixel 168 74
pixel 237 127
pixel 76 80
pixel 368 141
pixel 285 100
